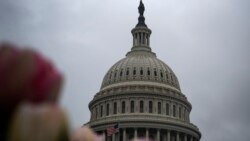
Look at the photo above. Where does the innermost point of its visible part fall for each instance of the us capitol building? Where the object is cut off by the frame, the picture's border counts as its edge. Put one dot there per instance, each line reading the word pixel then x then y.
pixel 142 94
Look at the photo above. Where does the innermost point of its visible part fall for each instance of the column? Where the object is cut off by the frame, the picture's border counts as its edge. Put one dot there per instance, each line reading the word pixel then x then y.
pixel 118 136
pixel 137 38
pixel 158 135
pixel 148 39
pixel 133 39
pixel 142 34
pixel 124 134
pixel 107 138
pixel 191 138
pixel 185 137
pixel 140 38
pixel 135 133
pixel 147 136
pixel 164 136
pixel 177 136
pixel 144 38
pixel 104 135
pixel 113 137
pixel 168 135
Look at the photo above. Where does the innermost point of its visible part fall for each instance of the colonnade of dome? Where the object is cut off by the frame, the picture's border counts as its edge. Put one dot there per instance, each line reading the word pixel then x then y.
pixel 139 105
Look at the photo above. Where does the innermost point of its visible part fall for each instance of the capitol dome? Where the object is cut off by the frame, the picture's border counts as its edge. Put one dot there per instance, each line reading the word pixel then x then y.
pixel 141 67
pixel 141 96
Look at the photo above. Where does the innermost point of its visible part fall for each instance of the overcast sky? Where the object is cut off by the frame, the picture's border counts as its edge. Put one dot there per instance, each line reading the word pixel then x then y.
pixel 205 42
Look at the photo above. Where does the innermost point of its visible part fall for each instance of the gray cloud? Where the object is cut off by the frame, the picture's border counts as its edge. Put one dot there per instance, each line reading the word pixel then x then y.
pixel 206 43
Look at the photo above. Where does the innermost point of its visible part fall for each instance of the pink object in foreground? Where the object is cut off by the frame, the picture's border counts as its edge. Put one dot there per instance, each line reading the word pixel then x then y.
pixel 26 76
pixel 39 123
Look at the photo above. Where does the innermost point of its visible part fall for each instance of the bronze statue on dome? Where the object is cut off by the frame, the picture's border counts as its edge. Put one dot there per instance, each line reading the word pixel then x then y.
pixel 141 8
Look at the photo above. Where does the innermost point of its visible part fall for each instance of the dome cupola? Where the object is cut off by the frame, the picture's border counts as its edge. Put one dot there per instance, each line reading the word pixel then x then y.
pixel 141 66
pixel 141 33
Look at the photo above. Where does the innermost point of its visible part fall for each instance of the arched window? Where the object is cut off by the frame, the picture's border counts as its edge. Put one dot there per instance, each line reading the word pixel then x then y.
pixel 161 74
pixel 132 107
pixel 134 72
pixel 127 73
pixel 174 111
pixel 150 107
pixel 179 112
pixel 121 72
pixel 107 109
pixel 141 71
pixel 167 75
pixel 92 115
pixel 123 107
pixel 186 117
pixel 155 72
pixel 115 108
pixel 101 111
pixel 159 107
pixel 148 72
pixel 110 76
pixel 184 113
pixel 141 106
pixel 167 109
pixel 115 74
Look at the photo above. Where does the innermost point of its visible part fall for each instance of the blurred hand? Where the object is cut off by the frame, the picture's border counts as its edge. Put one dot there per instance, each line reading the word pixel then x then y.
pixel 25 77
pixel 44 122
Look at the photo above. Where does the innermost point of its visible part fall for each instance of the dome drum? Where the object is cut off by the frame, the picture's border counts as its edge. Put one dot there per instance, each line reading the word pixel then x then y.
pixel 121 93
pixel 140 104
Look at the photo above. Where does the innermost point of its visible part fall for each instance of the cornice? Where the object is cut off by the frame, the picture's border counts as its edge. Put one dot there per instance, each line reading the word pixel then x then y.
pixel 141 83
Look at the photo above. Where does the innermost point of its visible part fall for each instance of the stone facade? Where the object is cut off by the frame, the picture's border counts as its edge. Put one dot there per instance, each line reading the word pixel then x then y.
pixel 143 95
